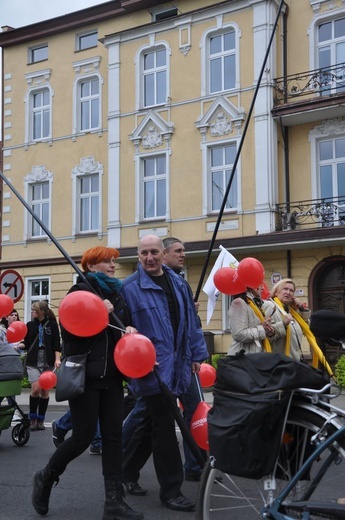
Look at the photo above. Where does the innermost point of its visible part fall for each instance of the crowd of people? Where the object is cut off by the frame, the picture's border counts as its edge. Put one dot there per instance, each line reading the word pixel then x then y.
pixel 158 302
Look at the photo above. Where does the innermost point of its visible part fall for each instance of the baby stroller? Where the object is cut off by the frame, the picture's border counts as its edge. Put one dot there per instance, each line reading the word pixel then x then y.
pixel 11 375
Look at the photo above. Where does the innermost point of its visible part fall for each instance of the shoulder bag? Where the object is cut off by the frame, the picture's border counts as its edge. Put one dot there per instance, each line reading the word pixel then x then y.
pixel 71 377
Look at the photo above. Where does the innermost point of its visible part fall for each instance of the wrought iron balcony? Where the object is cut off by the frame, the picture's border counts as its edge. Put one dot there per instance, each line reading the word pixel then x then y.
pixel 327 81
pixel 305 214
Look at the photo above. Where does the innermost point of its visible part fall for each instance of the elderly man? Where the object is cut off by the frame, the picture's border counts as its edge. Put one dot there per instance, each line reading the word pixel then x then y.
pixel 163 309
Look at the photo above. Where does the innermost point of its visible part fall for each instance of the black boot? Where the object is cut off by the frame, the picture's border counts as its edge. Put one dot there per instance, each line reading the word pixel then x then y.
pixel 43 482
pixel 115 508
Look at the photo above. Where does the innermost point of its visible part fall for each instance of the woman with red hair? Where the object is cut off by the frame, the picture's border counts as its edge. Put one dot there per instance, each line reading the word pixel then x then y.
pixel 103 398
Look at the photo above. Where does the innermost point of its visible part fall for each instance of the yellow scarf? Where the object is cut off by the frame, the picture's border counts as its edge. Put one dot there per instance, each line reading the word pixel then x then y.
pixel 266 343
pixel 317 353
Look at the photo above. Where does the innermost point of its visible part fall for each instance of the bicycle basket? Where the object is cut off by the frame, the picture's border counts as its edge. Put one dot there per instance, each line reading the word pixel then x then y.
pixel 244 432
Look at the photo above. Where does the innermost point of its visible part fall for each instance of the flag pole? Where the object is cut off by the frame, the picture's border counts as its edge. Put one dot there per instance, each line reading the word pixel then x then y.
pixel 233 171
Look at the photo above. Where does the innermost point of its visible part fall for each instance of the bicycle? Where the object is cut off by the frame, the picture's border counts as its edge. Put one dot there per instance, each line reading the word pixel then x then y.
pixel 312 449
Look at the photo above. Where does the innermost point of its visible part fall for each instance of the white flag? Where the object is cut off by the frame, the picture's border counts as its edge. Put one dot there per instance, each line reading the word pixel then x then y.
pixel 225 259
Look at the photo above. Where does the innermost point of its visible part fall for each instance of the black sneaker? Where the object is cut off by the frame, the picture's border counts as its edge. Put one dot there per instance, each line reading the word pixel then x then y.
pixel 58 434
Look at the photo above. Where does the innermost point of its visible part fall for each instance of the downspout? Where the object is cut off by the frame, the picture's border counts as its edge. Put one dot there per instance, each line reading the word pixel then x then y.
pixel 285 134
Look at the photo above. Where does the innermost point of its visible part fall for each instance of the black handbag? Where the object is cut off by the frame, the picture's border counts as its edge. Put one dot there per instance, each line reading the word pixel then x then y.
pixel 71 377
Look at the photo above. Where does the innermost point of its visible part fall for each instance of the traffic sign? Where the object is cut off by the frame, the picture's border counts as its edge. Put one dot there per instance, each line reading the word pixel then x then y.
pixel 12 284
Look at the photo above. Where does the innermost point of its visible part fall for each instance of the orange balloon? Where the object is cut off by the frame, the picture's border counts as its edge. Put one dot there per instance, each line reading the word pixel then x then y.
pixel 16 331
pixel 207 375
pixel 134 355
pixel 6 305
pixel 47 380
pixel 199 426
pixel 83 313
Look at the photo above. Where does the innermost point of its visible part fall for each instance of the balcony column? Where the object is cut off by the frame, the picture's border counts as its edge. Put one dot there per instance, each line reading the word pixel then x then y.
pixel 264 128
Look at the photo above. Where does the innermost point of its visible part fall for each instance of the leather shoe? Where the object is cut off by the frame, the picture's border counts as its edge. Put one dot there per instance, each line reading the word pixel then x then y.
pixel 133 488
pixel 179 503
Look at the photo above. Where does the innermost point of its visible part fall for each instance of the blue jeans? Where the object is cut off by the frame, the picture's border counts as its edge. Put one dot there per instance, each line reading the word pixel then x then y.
pixel 65 423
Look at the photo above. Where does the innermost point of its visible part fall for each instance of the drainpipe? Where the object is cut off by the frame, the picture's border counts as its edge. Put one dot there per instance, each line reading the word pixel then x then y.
pixel 285 134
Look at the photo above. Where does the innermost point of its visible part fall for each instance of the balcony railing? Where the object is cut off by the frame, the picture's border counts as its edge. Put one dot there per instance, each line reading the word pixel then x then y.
pixel 326 212
pixel 319 82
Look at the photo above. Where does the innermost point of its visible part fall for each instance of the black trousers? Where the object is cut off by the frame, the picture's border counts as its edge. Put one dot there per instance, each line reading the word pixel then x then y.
pixel 107 404
pixel 163 441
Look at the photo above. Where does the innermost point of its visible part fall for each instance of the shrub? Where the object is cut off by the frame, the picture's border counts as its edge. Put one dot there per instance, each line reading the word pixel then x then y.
pixel 340 371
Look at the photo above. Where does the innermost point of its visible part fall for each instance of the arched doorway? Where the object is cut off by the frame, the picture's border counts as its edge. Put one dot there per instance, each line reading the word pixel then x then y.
pixel 327 287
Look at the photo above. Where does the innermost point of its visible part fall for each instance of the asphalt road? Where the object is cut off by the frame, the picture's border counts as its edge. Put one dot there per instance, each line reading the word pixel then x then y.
pixel 79 494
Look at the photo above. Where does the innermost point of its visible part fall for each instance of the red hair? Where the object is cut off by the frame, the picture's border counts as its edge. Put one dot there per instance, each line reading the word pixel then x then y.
pixel 98 254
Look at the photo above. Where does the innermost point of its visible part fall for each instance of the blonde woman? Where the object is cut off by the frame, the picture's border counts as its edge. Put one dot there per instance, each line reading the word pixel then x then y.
pixel 42 344
pixel 286 311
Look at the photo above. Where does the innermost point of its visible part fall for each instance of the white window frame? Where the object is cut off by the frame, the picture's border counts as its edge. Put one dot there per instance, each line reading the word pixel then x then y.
pixel 87 167
pixel 38 175
pixel 86 70
pixel 79 38
pixel 29 300
pixel 31 51
pixel 207 188
pixel 205 56
pixel 37 82
pixel 139 161
pixel 140 74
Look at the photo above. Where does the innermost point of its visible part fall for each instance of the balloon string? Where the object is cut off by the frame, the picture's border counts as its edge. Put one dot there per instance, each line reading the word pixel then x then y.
pixel 118 328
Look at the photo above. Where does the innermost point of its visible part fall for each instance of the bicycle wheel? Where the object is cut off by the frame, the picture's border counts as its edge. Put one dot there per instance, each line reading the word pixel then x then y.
pixel 222 496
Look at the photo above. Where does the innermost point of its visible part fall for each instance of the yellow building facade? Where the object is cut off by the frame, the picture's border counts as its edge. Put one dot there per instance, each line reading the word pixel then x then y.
pixel 128 118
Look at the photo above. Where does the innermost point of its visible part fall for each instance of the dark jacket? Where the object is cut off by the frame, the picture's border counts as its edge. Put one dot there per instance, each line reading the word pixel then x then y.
pixel 51 341
pixel 101 346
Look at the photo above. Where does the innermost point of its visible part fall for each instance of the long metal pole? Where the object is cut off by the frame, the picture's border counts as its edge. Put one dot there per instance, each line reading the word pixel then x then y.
pixel 171 399
pixel 233 171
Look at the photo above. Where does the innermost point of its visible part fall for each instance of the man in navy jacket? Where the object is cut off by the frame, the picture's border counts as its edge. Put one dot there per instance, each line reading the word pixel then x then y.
pixel 162 308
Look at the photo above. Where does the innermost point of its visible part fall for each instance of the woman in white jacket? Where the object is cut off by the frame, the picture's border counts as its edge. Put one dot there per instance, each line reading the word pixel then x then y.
pixel 250 328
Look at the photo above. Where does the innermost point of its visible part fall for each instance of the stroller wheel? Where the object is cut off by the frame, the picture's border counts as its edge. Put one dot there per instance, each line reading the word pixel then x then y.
pixel 20 434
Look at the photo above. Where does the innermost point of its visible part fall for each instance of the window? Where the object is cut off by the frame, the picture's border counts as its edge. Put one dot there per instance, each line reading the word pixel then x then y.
pixel 41 108
pixel 86 40
pixel 37 289
pixel 40 205
pixel 222 61
pixel 87 197
pixel 89 203
pixel 164 14
pixel 221 159
pixel 155 77
pixel 332 168
pixel 89 104
pixel 154 186
pixel 38 53
pixel 331 53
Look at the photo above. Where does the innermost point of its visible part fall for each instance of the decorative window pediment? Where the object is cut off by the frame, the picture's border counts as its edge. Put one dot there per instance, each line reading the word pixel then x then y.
pixel 220 119
pixel 152 132
pixel 38 174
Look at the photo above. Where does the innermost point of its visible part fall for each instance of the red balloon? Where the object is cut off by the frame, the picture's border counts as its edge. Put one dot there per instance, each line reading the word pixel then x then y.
pixel 265 293
pixel 251 272
pixel 227 281
pixel 16 332
pixel 83 313
pixel 207 375
pixel 199 426
pixel 135 355
pixel 47 380
pixel 6 305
